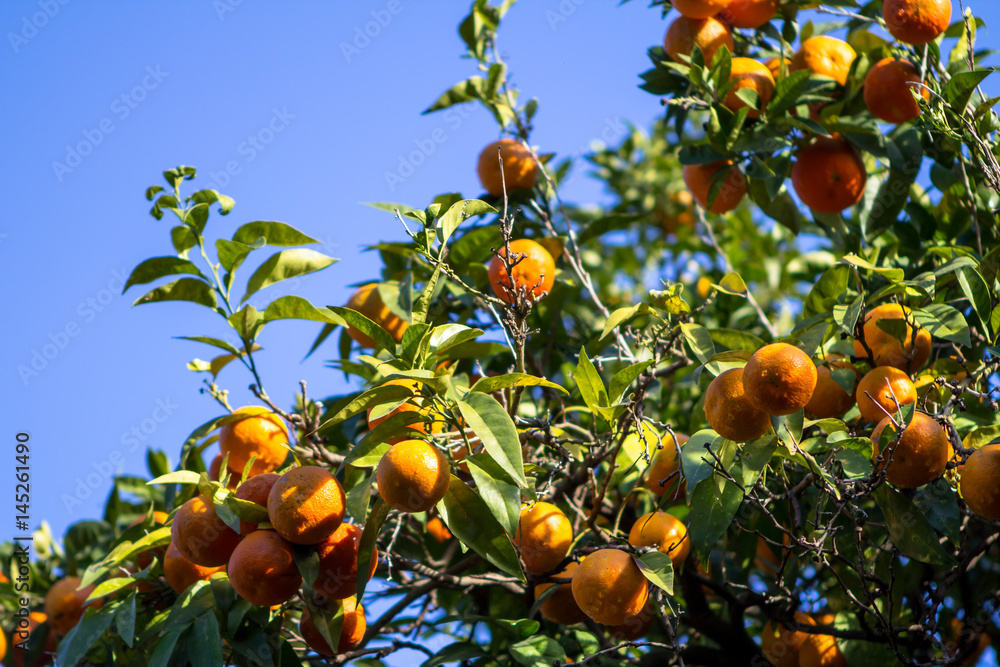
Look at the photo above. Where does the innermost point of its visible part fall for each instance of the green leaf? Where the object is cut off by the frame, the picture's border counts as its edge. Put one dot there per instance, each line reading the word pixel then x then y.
pixel 87 632
pixel 827 291
pixel 471 521
pixel 467 91
pixel 961 86
pixel 787 91
pixel 447 336
pixel 488 385
pixel 155 268
pixel 699 340
pixel 110 586
pixel 214 342
pixel 976 291
pixel 696 462
pixel 247 322
pixel 232 254
pixel 164 649
pixel 298 308
pixel 943 321
pixel 847 316
pixel 459 212
pixel 892 274
pixel 909 530
pixel 493 426
pixel 210 197
pixel 538 651
pixel 591 386
pixel 939 504
pixel 177 477
pixel 185 289
pixel 622 315
pixel 284 265
pixel 273 233
pixel 713 507
pixel 205 642
pixel 733 284
pixel 459 652
pixel 307 563
pixel 756 455
pixel 423 302
pixel 355 319
pixel 658 569
pixel 624 378
pixel 246 509
pixel 366 547
pixel 497 490
pixel 125 620
pixel 358 403
pixel 732 339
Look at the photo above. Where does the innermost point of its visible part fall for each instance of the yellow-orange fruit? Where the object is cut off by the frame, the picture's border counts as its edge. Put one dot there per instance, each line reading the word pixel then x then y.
pixel 64 604
pixel 910 354
pixel 980 482
pixel 665 532
pixel 708 34
pixel 700 177
pixel 781 645
pixel 888 93
pixel 829 175
pixel 821 651
pixel 748 74
pixel 560 607
pixel 437 530
pixel 378 414
pixel 749 13
pixel 920 456
pixel 544 535
pixel 256 490
pixel 351 633
pixel 609 587
pixel 666 463
pixel 700 9
pixel 828 398
pixel 413 476
pixel 729 410
pixel 338 563
pixel 306 505
pixel 200 535
pixel 916 21
pixel 773 65
pixel 181 573
pixel 144 558
pixel 263 435
pixel 366 300
pixel 779 379
pixel 534 272
pixel 262 569
pixel 826 56
pixel 880 389
pixel 520 171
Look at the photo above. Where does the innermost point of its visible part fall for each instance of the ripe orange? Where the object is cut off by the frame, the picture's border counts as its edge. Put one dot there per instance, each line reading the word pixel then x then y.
pixel 921 454
pixel 437 530
pixel 768 562
pixel 781 645
pixel 634 628
pixel 916 21
pixel 826 56
pixel 215 473
pixel 699 179
pixel 520 171
pixel 561 607
pixel 729 411
pixel 413 476
pixel 338 563
pixel 256 490
pixel 828 398
pixel 829 175
pixel 700 9
pixel 144 558
pixel 263 434
pixel 534 272
pixel 544 535
pixel 665 532
pixel 367 301
pixel 821 651
pixel 749 13
pixel 678 213
pixel 703 287
pixel 980 482
pixel 262 569
pixel 181 573
pixel 774 66
pixel 379 413
pixel 665 463
pixel 779 379
pixel 877 389
pixel 16 657
pixel 64 604
pixel 306 505
pixel 911 354
pixel 748 73
pixel 708 34
pixel 200 535
pixel 609 587
pixel 888 93
pixel 351 633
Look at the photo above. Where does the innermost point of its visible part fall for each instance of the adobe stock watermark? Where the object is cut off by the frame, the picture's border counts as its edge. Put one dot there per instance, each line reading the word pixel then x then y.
pixel 614 129
pixel 122 107
pixel 364 34
pixel 57 341
pixel 562 12
pixel 223 7
pixel 30 25
pixel 425 147
pixel 105 469
pixel 251 147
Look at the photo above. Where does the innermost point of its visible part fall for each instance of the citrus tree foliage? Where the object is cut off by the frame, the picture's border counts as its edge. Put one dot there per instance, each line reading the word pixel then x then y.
pixel 567 398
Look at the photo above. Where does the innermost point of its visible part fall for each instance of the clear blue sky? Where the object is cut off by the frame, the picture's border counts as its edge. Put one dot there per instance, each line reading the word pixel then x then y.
pixel 146 86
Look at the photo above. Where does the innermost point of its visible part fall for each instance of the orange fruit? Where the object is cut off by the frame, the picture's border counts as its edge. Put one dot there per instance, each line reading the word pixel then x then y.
pixel 774 66
pixel 703 287
pixel 910 354
pixel 561 607
pixel 534 271
pixel 700 9
pixel 544 535
pixel 980 482
pixel 200 535
pixel 64 604
pixel 665 463
pixel 379 413
pixel 916 21
pixel 828 398
pixel 699 179
pixel 215 473
pixel 781 645
pixel 960 632
pixel 752 75
pixel 779 379
pixel 256 490
pixel 729 411
pixel 679 213
pixel 351 633
pixel 829 175
pixel 413 476
pixel 634 628
pixel 665 532
pixel 708 34
pixel 888 93
pixel 262 569
pixel 144 558
pixel 821 651
pixel 437 530
pixel 181 573
pixel 921 455
pixel 306 505
pixel 768 562
pixel 338 563
pixel 23 634
pixel 520 171
pixel 367 301
pixel 826 56
pixel 877 389
pixel 609 587
pixel 749 13
pixel 263 435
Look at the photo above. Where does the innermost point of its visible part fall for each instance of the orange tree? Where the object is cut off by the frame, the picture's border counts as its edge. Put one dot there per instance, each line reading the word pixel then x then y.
pixel 743 414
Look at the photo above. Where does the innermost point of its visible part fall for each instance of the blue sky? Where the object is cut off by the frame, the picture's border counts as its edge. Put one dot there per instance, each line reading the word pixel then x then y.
pixel 295 112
